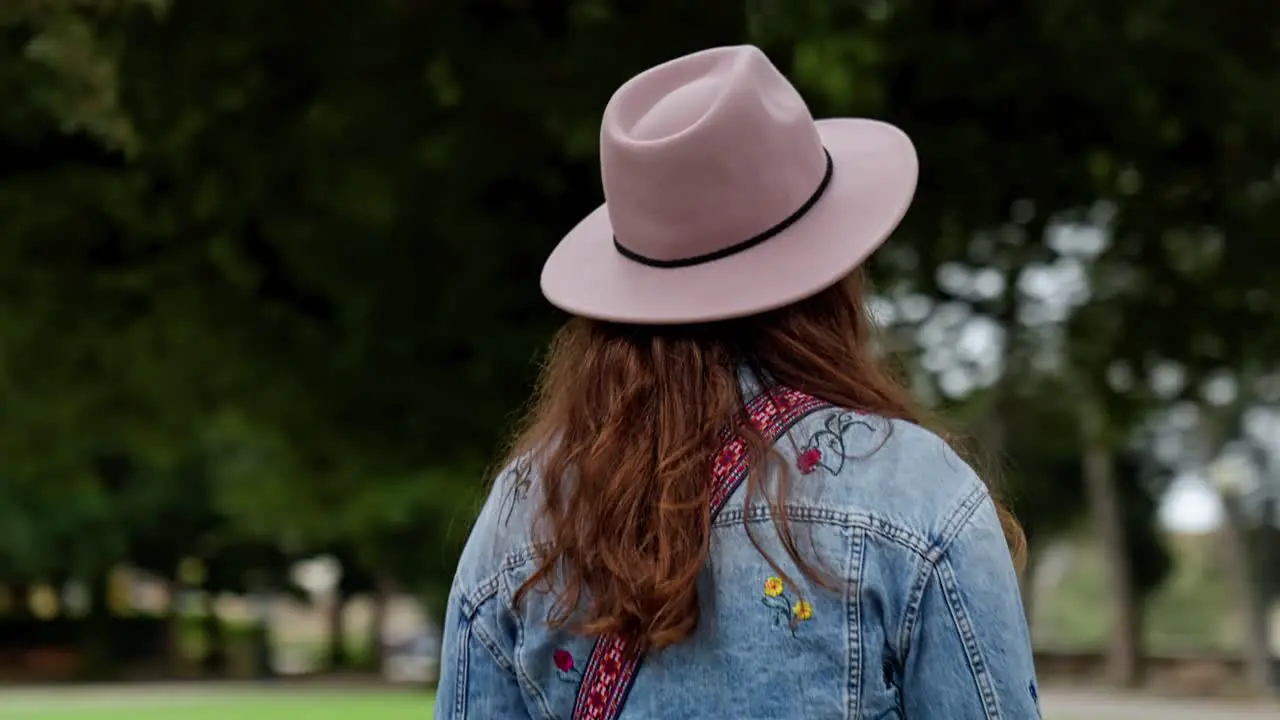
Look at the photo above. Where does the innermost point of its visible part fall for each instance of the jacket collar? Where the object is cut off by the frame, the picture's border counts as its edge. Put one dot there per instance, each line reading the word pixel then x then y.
pixel 752 382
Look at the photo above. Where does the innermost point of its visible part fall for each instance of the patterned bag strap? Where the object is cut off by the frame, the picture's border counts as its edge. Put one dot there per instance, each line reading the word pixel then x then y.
pixel 612 668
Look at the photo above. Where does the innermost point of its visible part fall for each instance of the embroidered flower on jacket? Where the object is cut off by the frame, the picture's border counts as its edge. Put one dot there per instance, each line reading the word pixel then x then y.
pixel 773 587
pixel 802 610
pixel 787 613
pixel 809 460
pixel 566 669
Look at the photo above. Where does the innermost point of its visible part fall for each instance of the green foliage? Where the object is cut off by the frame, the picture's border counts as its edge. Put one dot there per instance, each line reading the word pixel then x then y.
pixel 301 303
pixel 270 278
pixel 74 43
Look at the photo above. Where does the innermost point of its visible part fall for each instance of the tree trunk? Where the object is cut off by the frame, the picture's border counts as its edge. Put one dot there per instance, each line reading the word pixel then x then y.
pixel 20 596
pixel 97 663
pixel 1124 650
pixel 383 589
pixel 992 433
pixel 173 656
pixel 1238 554
pixel 215 639
pixel 1268 567
pixel 339 658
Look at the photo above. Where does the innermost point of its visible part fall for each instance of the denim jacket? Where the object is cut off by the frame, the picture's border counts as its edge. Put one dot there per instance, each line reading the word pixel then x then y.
pixel 927 622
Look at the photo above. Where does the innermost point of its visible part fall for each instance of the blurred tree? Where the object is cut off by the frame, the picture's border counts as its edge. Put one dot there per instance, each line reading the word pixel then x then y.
pixel 1131 117
pixel 305 246
pixel 295 267
pixel 73 40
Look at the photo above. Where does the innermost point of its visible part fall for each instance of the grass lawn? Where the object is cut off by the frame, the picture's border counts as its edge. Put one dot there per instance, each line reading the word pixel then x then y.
pixel 128 703
pixel 309 706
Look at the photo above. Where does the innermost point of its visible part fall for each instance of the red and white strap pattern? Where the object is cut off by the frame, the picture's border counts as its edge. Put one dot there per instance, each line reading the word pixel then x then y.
pixel 613 665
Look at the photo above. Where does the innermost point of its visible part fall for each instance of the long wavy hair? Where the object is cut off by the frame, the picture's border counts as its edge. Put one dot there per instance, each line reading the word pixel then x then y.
pixel 623 429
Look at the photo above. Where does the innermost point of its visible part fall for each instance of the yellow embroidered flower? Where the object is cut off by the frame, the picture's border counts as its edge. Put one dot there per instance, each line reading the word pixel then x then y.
pixel 773 587
pixel 802 610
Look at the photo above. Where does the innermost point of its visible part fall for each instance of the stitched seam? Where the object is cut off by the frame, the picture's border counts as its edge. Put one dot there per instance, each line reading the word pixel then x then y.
pixel 964 625
pixel 460 673
pixel 886 529
pixel 960 517
pixel 489 644
pixel 911 613
pixel 853 601
pixel 470 602
pixel 522 676
pixel 512 561
pixel 520 555
pixel 950 530
pixel 471 608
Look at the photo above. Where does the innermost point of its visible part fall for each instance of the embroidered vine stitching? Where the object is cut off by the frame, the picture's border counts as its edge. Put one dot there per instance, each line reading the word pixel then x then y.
pixel 520 479
pixel 827 447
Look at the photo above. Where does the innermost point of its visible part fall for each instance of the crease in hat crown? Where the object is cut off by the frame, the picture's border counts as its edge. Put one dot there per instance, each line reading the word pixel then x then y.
pixel 706 151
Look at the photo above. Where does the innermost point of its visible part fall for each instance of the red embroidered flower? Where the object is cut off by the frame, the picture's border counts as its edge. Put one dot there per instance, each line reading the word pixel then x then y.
pixel 809 460
pixel 563 660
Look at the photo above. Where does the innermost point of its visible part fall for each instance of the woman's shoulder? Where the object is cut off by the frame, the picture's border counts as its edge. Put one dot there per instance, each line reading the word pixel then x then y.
pixel 887 470
pixel 500 533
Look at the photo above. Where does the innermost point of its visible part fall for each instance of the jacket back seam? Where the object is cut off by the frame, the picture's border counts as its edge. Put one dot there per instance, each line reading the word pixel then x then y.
pixel 946 577
pixel 951 529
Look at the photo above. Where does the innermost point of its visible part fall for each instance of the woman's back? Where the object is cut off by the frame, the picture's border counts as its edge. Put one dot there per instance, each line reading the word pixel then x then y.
pixel 723 503
pixel 923 618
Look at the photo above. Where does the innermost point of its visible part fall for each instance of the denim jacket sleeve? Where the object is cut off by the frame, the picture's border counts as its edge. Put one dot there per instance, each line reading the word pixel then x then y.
pixel 477 669
pixel 970 656
pixel 479 673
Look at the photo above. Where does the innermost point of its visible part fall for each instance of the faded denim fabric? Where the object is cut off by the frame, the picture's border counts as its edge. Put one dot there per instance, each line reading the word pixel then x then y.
pixel 926 622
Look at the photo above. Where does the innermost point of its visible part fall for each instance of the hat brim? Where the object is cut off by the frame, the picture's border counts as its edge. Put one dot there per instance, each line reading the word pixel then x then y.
pixel 872 184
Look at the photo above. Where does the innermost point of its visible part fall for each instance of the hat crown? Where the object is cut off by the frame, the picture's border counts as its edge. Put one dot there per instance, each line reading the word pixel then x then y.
pixel 706 152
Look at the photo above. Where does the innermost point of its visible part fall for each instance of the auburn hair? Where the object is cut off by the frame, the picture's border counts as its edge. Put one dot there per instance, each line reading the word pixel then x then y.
pixel 624 425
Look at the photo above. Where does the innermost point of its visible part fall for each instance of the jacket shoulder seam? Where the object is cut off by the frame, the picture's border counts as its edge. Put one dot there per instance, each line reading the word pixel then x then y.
pixel 900 535
pixel 473 595
pixel 956 520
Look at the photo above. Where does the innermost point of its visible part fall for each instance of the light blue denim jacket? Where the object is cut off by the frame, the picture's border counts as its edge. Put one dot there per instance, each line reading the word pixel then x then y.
pixel 928 624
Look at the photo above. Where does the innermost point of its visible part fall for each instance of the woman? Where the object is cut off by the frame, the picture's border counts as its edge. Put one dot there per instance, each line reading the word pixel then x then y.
pixel 723 505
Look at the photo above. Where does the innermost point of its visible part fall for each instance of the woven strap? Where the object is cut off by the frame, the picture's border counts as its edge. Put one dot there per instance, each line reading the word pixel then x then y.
pixel 613 665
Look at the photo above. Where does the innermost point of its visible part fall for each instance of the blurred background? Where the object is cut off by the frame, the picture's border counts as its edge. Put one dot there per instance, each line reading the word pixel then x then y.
pixel 268 305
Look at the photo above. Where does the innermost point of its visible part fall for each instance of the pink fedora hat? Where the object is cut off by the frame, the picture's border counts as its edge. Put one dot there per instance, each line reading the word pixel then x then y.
pixel 724 198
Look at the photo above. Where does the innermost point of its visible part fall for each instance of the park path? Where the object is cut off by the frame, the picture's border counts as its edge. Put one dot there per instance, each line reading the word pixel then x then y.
pixel 1102 705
